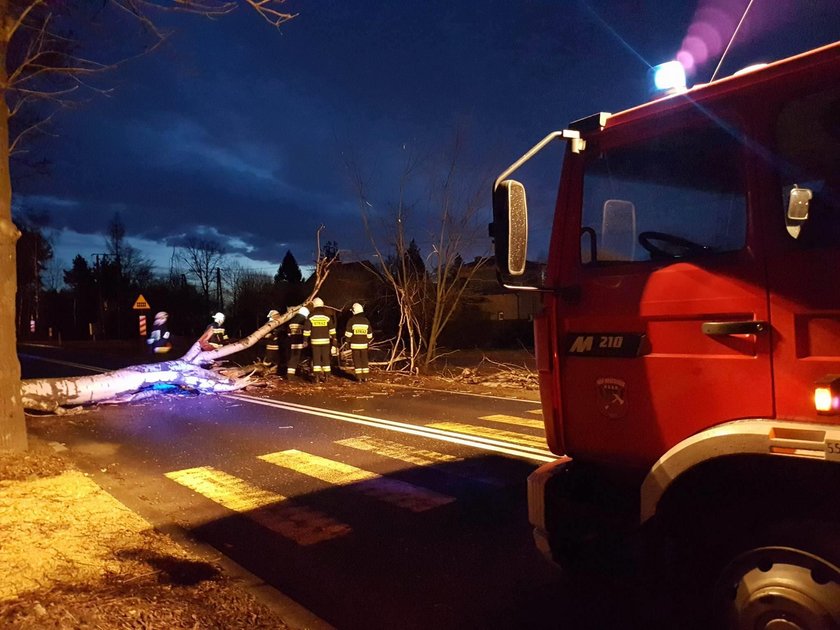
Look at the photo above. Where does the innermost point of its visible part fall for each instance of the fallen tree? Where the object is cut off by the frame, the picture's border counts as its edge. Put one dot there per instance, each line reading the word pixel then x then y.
pixel 136 381
pixel 191 372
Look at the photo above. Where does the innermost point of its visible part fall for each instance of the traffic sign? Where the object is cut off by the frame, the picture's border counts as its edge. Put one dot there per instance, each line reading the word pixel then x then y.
pixel 141 304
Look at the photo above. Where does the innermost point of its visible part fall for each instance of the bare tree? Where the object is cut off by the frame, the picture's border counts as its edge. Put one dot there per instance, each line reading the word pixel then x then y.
pixel 249 292
pixel 457 200
pixel 427 300
pixel 32 53
pixel 203 259
pixel 397 270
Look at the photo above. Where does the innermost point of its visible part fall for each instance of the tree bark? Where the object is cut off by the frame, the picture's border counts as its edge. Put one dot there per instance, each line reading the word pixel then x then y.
pixel 12 423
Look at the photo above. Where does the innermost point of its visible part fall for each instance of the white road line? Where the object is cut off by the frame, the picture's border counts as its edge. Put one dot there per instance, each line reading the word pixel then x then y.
pixel 449 391
pixel 487 444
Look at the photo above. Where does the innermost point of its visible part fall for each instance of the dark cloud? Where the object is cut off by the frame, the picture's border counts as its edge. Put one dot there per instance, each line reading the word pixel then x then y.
pixel 240 131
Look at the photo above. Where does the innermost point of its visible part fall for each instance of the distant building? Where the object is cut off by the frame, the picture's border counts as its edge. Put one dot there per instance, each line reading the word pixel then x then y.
pixel 350 282
pixel 495 302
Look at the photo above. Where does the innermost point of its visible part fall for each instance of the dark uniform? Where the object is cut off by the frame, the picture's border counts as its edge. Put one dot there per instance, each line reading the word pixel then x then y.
pixel 158 341
pixel 296 340
pixel 320 330
pixel 358 333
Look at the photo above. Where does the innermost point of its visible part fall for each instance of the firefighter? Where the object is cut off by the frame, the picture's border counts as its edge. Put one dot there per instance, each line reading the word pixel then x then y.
pixel 215 336
pixel 320 330
pixel 272 345
pixel 159 342
pixel 295 338
pixel 358 333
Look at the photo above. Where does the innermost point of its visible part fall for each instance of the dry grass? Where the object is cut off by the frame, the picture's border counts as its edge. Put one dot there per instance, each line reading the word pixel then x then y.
pixel 73 557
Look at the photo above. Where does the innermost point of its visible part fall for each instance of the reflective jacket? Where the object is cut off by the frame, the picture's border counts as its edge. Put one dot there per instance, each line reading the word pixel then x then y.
pixel 295 328
pixel 320 328
pixel 218 337
pixel 358 332
pixel 272 340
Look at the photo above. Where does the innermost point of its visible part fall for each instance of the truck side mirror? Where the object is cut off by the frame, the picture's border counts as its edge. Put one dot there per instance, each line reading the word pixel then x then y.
pixel 510 227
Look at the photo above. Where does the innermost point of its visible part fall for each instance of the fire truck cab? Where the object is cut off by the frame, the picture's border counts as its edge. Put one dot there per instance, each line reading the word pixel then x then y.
pixel 688 345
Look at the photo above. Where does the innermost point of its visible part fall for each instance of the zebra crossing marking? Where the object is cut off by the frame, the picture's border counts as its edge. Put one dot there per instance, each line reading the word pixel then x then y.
pixel 396 450
pixel 399 493
pixel 299 523
pixel 465 469
pixel 515 420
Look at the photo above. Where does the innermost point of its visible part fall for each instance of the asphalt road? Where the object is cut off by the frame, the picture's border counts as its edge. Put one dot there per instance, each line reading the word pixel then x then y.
pixel 396 508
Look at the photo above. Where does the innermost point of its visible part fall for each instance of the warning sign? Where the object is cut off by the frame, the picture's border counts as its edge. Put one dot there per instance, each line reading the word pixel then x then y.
pixel 141 304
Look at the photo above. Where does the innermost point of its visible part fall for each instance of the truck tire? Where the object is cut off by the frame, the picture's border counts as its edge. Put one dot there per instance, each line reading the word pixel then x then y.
pixel 786 576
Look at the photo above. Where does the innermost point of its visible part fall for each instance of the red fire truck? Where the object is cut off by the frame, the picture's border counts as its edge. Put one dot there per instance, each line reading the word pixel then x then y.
pixel 688 345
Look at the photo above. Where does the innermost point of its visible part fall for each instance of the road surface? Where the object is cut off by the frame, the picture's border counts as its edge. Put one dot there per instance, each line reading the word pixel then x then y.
pixel 381 507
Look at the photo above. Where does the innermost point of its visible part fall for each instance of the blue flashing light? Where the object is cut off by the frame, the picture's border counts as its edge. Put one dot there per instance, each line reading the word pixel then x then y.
pixel 669 77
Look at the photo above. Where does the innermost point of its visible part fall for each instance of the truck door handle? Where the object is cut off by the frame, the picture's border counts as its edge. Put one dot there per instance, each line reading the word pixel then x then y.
pixel 751 327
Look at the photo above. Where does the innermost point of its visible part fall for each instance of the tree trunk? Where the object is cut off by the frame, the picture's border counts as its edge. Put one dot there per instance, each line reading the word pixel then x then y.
pixel 12 423
pixel 52 394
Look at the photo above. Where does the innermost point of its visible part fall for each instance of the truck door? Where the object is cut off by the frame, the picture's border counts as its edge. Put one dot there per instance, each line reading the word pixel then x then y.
pixel 665 331
pixel 804 251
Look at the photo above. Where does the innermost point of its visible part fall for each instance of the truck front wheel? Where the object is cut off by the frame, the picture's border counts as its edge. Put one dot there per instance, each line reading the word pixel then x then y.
pixel 791 581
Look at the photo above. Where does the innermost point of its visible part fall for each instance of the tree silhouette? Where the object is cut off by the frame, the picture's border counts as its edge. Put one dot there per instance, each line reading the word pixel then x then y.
pixel 34 251
pixel 289 270
pixel 82 283
pixel 331 251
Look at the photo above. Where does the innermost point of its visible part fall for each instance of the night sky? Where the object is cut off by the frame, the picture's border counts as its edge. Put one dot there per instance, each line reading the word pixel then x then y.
pixel 237 131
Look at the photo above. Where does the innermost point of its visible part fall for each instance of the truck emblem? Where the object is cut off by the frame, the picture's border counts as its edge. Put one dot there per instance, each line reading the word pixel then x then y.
pixel 581 344
pixel 612 399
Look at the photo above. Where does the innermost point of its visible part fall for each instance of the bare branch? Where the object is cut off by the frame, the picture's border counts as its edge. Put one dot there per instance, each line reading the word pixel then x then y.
pixel 271 15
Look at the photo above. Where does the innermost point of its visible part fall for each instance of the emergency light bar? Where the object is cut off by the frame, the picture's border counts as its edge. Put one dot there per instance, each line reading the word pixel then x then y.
pixel 668 78
pixel 827 395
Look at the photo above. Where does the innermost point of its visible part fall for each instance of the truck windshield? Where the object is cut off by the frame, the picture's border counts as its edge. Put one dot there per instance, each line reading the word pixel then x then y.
pixel 671 197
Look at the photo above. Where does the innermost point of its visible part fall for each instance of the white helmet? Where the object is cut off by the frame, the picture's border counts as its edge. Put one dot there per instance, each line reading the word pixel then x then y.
pixel 317 302
pixel 357 308
pixel 304 311
pixel 219 318
pixel 161 317
pixel 272 314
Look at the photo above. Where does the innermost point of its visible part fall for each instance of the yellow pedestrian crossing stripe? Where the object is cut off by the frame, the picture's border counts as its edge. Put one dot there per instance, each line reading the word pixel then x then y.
pixel 400 493
pixel 495 434
pixel 299 523
pixel 515 420
pixel 536 412
pixel 396 450
pixel 464 469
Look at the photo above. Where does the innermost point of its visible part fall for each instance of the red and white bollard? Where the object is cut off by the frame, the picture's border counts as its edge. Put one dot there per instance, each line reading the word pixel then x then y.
pixel 142 319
